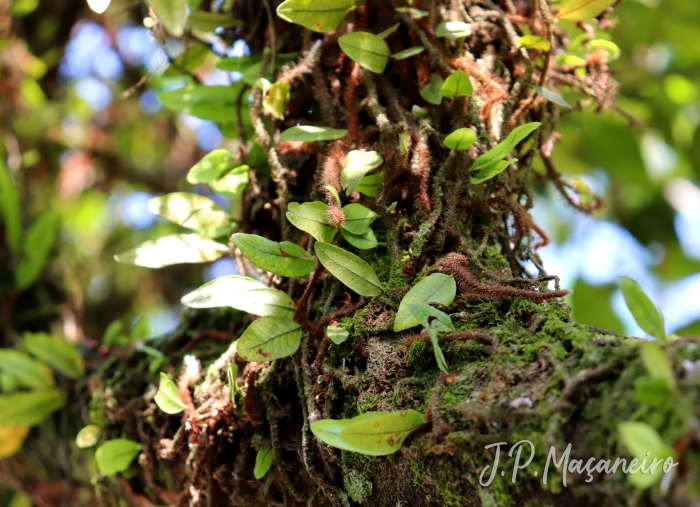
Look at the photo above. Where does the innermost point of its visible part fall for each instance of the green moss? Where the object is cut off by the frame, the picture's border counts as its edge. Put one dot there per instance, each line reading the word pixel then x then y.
pixel 357 486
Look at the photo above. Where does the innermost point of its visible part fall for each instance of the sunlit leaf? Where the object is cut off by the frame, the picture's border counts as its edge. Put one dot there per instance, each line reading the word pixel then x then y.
pixel 657 363
pixel 168 398
pixel 115 456
pixel 414 13
pixel 381 435
pixel 349 269
pixel 334 193
pixel 269 338
pixel 385 33
pixel 231 374
pixel 275 99
pixel 30 408
pixel 552 96
pixel 456 85
pixel 403 142
pixel 316 15
pixel 141 330
pixel 431 91
pixel 358 218
pixel 311 133
pixel 263 462
pixel 210 21
pixel 28 371
pixel 11 440
pixel 460 139
pixel 113 335
pixel 88 436
pixel 242 293
pixel 233 183
pixel 217 103
pixel 643 442
pixel 9 208
pixel 189 210
pixel 173 249
pixel 357 164
pixel 408 53
pixel 581 10
pixel 212 166
pixel 190 59
pixel 368 50
pixel 172 14
pixel 652 391
pixel 37 246
pixel 328 430
pixel 436 288
pixel 453 30
pixel 365 241
pixel 337 334
pixel 534 42
pixel 311 217
pixel 430 317
pixel 503 149
pixel 284 259
pixel 56 352
pixel 643 310
pixel 608 45
pixel 491 170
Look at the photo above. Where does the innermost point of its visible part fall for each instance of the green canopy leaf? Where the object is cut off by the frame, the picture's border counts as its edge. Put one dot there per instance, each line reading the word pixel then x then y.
pixel 284 259
pixel 210 21
pixel 168 398
pixel 644 311
pixel 431 91
pixel 382 434
pixel 30 408
pixel 269 338
pixel 316 15
pixel 311 133
pixel 241 293
pixel 173 249
pixel 370 51
pixel 365 241
pixel 456 85
pixel 460 139
pixel 436 288
pixel 115 456
pixel 56 352
pixel 503 149
pixel 453 30
pixel 358 218
pixel 172 14
pixel 581 10
pixel 357 164
pixel 189 210
pixel 263 462
pixel 311 217
pixel 349 269
pixel 212 166
pixel 407 53
pixel 27 371
pixel 337 334
pixel 643 442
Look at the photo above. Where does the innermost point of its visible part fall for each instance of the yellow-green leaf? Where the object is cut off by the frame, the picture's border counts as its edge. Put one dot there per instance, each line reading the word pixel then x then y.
pixel 11 440
pixel 431 91
pixel 27 371
pixel 263 462
pixel 453 30
pixel 269 338
pixel 276 98
pixel 316 15
pixel 168 398
pixel 612 48
pixel 369 185
pixel 368 50
pixel 357 164
pixel 88 436
pixel 30 408
pixel 460 139
pixel 212 166
pixel 37 246
pixel 415 13
pixel 456 85
pixel 115 456
pixel 189 210
pixel 311 217
pixel 490 170
pixel 216 103
pixel 55 352
pixel 383 434
pixel 242 293
pixel 407 53
pixel 581 10
pixel 284 259
pixel 337 334
pixel 311 133
pixel 233 183
pixel 503 149
pixel 358 218
pixel 657 364
pixel 644 443
pixel 172 14
pixel 534 42
pixel 365 241
pixel 644 311
pixel 385 33
pixel 436 288
pixel 349 269
pixel 328 430
pixel 173 249
pixel 210 21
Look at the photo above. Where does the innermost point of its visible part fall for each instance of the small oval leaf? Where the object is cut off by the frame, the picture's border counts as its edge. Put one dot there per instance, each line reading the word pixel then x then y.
pixel 269 338
pixel 431 91
pixel 644 311
pixel 436 288
pixel 88 436
pixel 311 133
pixel 358 218
pixel 357 164
pixel 311 217
pixel 644 443
pixel 115 456
pixel 189 210
pixel 284 259
pixel 212 166
pixel 456 85
pixel 316 15
pixel 173 249
pixel 408 53
pixel 168 398
pixel 27 371
pixel 503 149
pixel 491 170
pixel 383 434
pixel 453 30
pixel 11 440
pixel 365 241
pixel 581 10
pixel 263 462
pixel 534 42
pixel 460 139
pixel 55 352
pixel 368 50
pixel 431 318
pixel 30 408
pixel 349 269
pixel 337 334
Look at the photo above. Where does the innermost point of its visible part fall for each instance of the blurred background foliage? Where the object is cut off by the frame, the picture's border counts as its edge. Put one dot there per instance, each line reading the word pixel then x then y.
pixel 86 142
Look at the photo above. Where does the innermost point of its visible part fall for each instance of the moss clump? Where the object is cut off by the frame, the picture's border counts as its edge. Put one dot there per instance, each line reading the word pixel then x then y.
pixel 357 486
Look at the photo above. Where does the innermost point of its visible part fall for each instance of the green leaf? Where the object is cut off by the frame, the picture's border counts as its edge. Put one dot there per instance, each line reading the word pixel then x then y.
pixel 534 42
pixel 453 30
pixel 552 96
pixel 115 456
pixel 233 183
pixel 456 85
pixel 311 217
pixel 88 436
pixel 581 10
pixel 55 352
pixel 168 398
pixel 403 142
pixel 368 50
pixel 263 462
pixel 216 103
pixel 643 442
pixel 333 192
pixel 439 356
pixel 172 14
pixel 113 334
pixel 311 133
pixel 357 164
pixel 612 48
pixel 37 246
pixel 408 53
pixel 231 374
pixel 210 21
pixel 275 99
pixel 188 60
pixel 492 169
pixel 420 112
pixel 431 91
pixel 337 334
pixel 436 288
pixel 9 208
pixel 431 318
pixel 173 249
pixel 652 391
pixel 284 259
pixel 349 269
pixel 644 311
pixel 385 33
pixel 141 330
pixel 316 15
pixel 460 139
pixel 30 408
pixel 657 364
pixel 328 430
pixel 503 149
pixel 241 293
pixel 27 371
pixel 369 185
pixel 383 434
pixel 189 210
pixel 365 241
pixel 358 218
pixel 269 338
pixel 212 166
pixel 20 499
pixel 415 13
